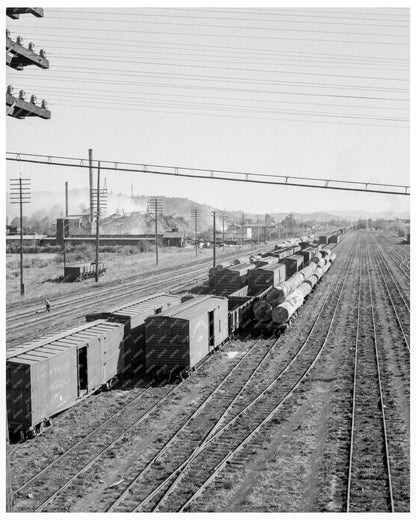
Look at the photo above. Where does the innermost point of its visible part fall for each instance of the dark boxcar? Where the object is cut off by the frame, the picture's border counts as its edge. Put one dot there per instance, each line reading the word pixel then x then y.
pixel 334 239
pixel 231 279
pixel 133 316
pixel 47 376
pixel 266 276
pixel 181 337
pixel 308 253
pixel 293 264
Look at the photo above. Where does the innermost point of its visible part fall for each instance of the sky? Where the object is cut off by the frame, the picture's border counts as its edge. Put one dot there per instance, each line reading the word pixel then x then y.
pixel 310 92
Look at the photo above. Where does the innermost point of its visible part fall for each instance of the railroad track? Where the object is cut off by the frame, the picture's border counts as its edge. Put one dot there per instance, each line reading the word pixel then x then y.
pixel 400 308
pixel 20 324
pixel 186 467
pixel 369 484
pixel 255 360
pixel 402 263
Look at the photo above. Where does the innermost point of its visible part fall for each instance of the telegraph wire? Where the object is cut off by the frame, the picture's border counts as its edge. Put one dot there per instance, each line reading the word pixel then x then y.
pixel 247 19
pixel 240 27
pixel 239 69
pixel 244 36
pixel 226 89
pixel 224 48
pixel 80 92
pixel 225 79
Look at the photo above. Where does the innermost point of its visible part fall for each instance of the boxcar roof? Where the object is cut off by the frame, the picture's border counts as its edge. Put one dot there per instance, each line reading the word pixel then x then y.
pixel 194 307
pixel 144 304
pixel 73 338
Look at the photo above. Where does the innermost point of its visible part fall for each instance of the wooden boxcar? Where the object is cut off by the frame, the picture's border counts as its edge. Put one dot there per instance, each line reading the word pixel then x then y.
pixel 266 276
pixel 231 279
pixel 133 316
pixel 180 338
pixel 293 264
pixel 47 376
pixel 308 253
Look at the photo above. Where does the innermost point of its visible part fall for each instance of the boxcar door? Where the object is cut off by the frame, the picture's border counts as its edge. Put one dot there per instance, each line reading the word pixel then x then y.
pixel 82 359
pixel 211 329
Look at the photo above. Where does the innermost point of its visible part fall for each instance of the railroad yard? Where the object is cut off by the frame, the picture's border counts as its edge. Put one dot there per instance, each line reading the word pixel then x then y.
pixel 314 419
pixel 207 269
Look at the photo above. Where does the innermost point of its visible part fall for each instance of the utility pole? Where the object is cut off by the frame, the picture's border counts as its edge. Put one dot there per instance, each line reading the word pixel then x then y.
pixel 155 205
pixel 20 194
pixel 258 231
pixel 196 215
pixel 91 184
pixel 99 197
pixel 223 231
pixel 97 226
pixel 66 199
pixel 214 214
pixel 242 230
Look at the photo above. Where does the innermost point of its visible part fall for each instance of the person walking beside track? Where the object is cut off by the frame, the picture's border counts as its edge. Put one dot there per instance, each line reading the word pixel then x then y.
pixel 48 305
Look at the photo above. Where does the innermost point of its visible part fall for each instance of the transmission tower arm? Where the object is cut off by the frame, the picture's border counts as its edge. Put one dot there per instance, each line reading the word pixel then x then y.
pixel 18 56
pixel 19 108
pixel 15 12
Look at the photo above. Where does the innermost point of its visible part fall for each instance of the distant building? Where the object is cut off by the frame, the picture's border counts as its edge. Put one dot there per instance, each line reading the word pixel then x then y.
pixel 74 225
pixel 174 238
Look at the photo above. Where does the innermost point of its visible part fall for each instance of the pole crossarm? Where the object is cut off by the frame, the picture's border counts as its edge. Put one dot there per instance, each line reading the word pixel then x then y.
pixel 220 175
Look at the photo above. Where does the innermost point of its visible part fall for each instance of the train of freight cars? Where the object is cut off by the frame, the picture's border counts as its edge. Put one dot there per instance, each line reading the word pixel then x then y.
pixel 158 334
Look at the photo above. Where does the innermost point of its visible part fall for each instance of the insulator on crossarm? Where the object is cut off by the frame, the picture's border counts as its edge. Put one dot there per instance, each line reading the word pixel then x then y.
pixel 42 53
pixel 22 95
pixel 31 47
pixel 33 99
pixel 10 90
pixel 44 104
pixel 19 40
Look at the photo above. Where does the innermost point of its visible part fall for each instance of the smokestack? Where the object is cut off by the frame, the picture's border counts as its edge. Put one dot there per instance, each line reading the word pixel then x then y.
pixel 66 198
pixel 91 185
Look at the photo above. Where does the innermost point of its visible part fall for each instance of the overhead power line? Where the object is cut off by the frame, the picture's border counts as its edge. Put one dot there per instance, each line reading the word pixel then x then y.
pixel 239 69
pixel 239 27
pixel 223 89
pixel 222 48
pixel 141 14
pixel 228 35
pixel 213 174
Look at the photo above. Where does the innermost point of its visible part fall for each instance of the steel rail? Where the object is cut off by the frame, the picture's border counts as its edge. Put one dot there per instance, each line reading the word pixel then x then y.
pixel 179 472
pixel 246 440
pixel 194 414
pixel 381 253
pixel 108 447
pixel 382 405
pixel 225 175
pixel 156 276
pixel 78 443
pixel 354 392
pixel 91 462
pixel 393 306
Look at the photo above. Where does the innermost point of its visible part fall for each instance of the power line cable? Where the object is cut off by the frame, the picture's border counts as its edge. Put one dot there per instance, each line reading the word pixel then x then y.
pixel 239 69
pixel 224 89
pixel 239 27
pixel 224 48
pixel 210 78
pixel 245 36
pixel 234 18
